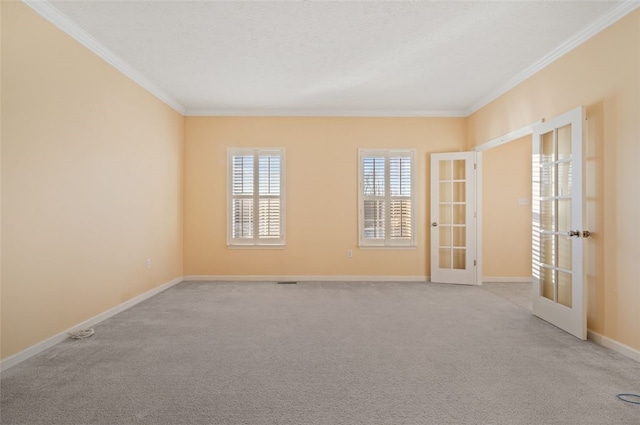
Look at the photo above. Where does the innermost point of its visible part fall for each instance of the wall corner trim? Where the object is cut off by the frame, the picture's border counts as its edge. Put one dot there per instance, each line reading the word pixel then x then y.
pixel 50 342
pixel 57 18
pixel 614 345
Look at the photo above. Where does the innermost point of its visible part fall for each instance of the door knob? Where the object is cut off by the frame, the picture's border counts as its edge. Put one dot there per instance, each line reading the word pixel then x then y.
pixel 434 224
pixel 573 233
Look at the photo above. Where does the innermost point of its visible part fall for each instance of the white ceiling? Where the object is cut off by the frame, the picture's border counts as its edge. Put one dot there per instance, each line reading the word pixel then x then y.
pixel 375 58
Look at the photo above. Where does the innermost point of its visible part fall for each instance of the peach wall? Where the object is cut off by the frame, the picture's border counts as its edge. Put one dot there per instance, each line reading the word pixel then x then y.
pixel 321 188
pixel 602 74
pixel 506 225
pixel 91 183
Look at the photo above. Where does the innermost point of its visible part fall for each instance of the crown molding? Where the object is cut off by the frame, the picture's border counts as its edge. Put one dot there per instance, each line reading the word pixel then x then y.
pixel 600 24
pixel 320 113
pixel 53 15
pixel 57 18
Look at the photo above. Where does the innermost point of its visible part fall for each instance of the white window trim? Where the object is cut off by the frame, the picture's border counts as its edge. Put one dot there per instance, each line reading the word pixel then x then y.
pixel 386 243
pixel 255 242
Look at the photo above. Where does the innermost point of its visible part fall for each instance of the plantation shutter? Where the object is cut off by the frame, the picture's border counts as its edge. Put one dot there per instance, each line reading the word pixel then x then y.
pixel 256 214
pixel 242 204
pixel 269 210
pixel 387 198
pixel 374 197
pixel 400 197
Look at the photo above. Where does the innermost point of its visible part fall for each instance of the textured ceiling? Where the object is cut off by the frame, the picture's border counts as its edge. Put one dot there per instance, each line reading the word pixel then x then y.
pixel 331 57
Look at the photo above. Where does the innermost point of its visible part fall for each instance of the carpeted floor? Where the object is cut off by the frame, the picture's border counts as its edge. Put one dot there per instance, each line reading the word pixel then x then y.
pixel 518 293
pixel 323 353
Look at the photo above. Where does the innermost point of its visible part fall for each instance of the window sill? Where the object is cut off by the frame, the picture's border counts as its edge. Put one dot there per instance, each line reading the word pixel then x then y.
pixel 387 247
pixel 255 246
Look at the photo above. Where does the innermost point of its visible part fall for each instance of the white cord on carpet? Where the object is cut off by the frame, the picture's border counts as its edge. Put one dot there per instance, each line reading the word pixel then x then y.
pixel 86 333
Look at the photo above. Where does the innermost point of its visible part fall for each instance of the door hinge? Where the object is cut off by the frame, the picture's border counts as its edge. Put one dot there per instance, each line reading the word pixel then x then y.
pixel 475 165
pixel 475 262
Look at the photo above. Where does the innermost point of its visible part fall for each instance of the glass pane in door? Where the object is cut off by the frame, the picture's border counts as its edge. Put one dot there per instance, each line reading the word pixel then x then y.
pixel 445 214
pixel 548 181
pixel 564 142
pixel 459 192
pixel 547 248
pixel 445 170
pixel 547 280
pixel 548 147
pixel 459 214
pixel 445 258
pixel 445 192
pixel 564 179
pixel 445 235
pixel 459 169
pixel 564 289
pixel 452 207
pixel 564 252
pixel 555 188
pixel 459 237
pixel 563 219
pixel 459 259
pixel 547 215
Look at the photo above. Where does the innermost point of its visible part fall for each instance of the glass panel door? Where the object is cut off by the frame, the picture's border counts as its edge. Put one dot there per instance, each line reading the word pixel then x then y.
pixel 558 296
pixel 552 189
pixel 452 218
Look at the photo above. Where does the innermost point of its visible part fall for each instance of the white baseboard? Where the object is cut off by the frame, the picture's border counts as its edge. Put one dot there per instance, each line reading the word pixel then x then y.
pixel 614 345
pixel 50 342
pixel 506 279
pixel 303 278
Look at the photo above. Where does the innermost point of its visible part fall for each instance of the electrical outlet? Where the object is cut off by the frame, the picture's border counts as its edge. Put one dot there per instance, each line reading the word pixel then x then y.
pixel 148 263
pixel 349 253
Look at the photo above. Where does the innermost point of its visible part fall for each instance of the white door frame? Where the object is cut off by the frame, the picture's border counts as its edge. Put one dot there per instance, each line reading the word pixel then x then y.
pixel 493 143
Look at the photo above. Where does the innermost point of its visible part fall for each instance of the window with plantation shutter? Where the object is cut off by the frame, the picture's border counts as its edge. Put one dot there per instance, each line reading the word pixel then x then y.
pixel 386 197
pixel 256 197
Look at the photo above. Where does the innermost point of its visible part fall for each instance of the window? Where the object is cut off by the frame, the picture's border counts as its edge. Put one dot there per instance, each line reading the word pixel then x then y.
pixel 256 197
pixel 386 197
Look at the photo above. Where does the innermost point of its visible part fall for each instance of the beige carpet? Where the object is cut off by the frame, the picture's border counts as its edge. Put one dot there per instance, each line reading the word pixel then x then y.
pixel 323 353
pixel 518 293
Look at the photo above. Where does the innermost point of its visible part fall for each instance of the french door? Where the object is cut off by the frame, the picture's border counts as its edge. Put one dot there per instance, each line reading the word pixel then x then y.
pixel 453 218
pixel 558 290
